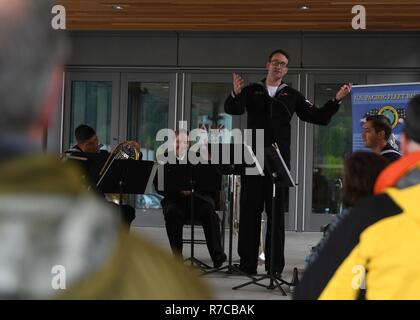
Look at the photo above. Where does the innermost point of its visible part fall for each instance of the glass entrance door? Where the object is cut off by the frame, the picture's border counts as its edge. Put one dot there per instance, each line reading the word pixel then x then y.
pixel 92 99
pixel 147 106
pixel 326 152
pixel 205 95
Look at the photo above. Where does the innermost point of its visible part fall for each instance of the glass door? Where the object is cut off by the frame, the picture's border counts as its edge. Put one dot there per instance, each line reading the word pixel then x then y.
pixel 92 99
pixel 327 147
pixel 203 108
pixel 205 95
pixel 148 104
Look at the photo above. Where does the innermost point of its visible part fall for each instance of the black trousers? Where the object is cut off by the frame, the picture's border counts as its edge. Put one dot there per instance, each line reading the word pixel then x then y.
pixel 177 212
pixel 257 192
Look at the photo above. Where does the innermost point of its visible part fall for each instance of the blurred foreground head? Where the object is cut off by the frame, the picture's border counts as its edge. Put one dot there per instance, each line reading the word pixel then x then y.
pixel 57 239
pixel 31 55
pixel 410 137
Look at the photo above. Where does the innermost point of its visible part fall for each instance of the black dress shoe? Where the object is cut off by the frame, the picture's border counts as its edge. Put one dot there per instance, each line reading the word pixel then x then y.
pixel 243 269
pixel 276 274
pixel 218 261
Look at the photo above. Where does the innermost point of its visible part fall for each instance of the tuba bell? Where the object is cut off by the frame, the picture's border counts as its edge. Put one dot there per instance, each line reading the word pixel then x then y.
pixel 127 150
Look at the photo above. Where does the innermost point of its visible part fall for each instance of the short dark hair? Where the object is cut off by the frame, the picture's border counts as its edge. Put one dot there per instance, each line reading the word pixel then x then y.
pixel 84 133
pixel 412 119
pixel 281 51
pixel 381 123
pixel 360 172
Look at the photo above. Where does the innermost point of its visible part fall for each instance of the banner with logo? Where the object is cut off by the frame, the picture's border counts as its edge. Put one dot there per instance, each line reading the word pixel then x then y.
pixel 388 99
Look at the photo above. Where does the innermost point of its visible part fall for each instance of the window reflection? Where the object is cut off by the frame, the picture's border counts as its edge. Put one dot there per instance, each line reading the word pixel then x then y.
pixel 148 105
pixel 207 110
pixel 91 103
pixel 331 144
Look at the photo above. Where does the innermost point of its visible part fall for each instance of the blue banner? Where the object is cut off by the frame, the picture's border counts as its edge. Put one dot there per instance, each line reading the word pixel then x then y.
pixel 387 99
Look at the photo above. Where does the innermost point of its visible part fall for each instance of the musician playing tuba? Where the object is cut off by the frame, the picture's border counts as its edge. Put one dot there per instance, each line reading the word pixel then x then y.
pixel 88 142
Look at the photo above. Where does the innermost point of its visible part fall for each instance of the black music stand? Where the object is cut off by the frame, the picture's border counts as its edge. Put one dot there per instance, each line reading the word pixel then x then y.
pixel 200 177
pixel 90 162
pixel 280 176
pixel 229 167
pixel 126 177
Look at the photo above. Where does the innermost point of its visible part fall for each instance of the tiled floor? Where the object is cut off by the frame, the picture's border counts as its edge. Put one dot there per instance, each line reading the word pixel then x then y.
pixel 297 247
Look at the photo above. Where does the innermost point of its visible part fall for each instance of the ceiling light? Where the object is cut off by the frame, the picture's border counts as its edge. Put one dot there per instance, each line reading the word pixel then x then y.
pixel 117 7
pixel 304 7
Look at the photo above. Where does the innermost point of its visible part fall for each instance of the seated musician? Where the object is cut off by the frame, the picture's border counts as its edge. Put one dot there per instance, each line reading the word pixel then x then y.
pixel 176 211
pixel 87 142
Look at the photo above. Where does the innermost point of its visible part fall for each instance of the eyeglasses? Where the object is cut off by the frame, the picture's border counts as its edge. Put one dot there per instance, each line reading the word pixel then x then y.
pixel 277 63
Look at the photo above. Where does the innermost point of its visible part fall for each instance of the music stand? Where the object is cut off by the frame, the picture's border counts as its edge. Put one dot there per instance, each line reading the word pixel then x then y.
pixel 279 173
pixel 230 167
pixel 126 177
pixel 196 178
pixel 90 162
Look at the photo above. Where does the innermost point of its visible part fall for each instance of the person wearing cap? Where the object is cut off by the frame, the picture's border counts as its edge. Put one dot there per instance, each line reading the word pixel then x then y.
pixel 376 132
pixel 373 253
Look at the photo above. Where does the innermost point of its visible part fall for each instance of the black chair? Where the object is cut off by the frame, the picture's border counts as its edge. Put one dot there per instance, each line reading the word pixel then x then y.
pixel 222 217
pixel 193 240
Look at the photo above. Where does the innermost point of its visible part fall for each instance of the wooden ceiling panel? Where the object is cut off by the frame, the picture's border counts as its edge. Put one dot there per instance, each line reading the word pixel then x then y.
pixel 238 15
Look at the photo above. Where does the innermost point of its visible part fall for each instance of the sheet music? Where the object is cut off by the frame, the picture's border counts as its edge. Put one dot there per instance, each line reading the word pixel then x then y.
pixel 284 164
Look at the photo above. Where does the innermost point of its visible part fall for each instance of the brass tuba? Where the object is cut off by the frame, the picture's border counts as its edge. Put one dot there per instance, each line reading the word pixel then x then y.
pixel 127 150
